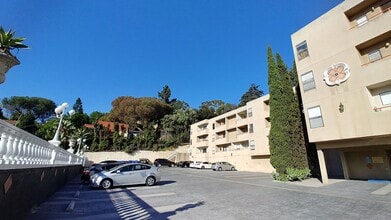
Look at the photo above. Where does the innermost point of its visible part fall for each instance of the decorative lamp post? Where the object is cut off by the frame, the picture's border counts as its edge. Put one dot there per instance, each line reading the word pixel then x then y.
pixel 60 110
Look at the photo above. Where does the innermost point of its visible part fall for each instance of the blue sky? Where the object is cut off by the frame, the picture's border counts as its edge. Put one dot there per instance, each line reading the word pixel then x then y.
pixel 99 50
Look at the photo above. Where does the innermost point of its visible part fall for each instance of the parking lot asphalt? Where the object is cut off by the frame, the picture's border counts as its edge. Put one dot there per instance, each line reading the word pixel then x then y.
pixel 185 193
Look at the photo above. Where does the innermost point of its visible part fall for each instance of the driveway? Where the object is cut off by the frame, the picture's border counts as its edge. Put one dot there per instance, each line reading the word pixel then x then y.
pixel 187 193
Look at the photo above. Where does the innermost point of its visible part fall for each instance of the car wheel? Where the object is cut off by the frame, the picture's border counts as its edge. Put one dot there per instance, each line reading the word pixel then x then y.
pixel 232 168
pixel 150 181
pixel 202 167
pixel 106 184
pixel 219 169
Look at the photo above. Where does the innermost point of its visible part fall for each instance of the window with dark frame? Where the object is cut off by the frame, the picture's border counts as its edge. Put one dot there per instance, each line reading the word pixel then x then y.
pixel 302 50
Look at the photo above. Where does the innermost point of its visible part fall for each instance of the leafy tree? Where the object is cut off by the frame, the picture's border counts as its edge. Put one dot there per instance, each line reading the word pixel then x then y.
pixel 47 130
pixel 27 123
pixel 179 104
pixel 147 139
pixel 138 112
pixel 40 108
pixel 165 95
pixel 79 119
pixel 78 106
pixel 178 126
pixel 225 107
pixel 95 116
pixel 210 109
pixel 252 93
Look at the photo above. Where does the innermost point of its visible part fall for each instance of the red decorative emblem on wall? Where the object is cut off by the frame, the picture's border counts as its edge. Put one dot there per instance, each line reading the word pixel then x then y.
pixel 336 74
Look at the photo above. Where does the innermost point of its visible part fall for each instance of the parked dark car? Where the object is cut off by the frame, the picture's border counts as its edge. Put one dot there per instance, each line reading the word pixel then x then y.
pixel 163 162
pixel 145 161
pixel 184 164
pixel 88 172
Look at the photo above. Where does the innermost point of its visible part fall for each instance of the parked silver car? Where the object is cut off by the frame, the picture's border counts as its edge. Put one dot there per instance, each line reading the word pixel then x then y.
pixel 222 166
pixel 126 174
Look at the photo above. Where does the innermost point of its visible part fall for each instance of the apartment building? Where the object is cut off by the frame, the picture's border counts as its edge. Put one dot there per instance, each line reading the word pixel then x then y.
pixel 343 62
pixel 239 137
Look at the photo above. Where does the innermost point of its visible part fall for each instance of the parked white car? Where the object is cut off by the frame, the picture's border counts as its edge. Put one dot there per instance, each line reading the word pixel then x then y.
pixel 219 166
pixel 203 165
pixel 192 165
pixel 126 174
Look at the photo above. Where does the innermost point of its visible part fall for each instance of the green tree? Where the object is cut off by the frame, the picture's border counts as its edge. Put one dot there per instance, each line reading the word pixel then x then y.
pixel 40 108
pixel 210 109
pixel 78 106
pixel 278 140
pixel 165 95
pixel 138 112
pixel 287 148
pixel 47 130
pixel 95 116
pixel 179 104
pixel 177 126
pixel 292 116
pixel 312 155
pixel 252 93
pixel 80 119
pixel 27 123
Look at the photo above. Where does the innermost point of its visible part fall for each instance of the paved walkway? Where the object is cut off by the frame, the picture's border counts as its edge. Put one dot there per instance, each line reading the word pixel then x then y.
pixel 203 194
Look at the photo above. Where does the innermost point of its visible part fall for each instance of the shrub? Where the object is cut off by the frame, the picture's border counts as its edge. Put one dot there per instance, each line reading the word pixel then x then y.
pixel 294 174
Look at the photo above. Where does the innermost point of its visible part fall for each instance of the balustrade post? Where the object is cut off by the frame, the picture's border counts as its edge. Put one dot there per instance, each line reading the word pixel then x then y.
pixel 18 157
pixel 10 145
pixel 23 157
pixel 29 156
pixel 3 146
pixel 13 157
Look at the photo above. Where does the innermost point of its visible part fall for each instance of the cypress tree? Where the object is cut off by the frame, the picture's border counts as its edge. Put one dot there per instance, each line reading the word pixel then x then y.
pixel 310 148
pixel 286 140
pixel 277 136
pixel 293 123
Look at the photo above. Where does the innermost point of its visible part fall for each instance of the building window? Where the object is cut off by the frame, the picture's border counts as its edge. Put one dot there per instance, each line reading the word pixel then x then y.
pixel 374 55
pixel 385 98
pixel 250 128
pixel 203 150
pixel 250 112
pixel 252 145
pixel 315 117
pixel 308 81
pixel 362 20
pixel 302 50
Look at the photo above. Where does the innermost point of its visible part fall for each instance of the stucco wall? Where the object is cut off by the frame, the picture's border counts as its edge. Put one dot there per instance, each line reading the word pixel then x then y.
pixel 179 154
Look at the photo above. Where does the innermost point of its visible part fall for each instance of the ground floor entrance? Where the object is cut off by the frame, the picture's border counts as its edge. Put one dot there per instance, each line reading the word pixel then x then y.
pixel 373 164
pixel 361 160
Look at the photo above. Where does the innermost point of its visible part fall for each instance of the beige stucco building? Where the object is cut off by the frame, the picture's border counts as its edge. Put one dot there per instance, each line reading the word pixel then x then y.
pixel 238 137
pixel 343 62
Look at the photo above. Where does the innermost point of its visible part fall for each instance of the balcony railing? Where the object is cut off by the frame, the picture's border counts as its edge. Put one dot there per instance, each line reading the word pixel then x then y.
pixel 20 149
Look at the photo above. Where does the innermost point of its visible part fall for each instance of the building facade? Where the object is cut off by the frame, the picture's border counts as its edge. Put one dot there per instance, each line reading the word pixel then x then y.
pixel 343 63
pixel 239 137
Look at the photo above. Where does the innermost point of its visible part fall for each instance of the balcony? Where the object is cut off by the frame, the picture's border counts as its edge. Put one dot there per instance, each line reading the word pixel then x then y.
pixel 203 131
pixel 241 122
pixel 221 141
pixel 242 137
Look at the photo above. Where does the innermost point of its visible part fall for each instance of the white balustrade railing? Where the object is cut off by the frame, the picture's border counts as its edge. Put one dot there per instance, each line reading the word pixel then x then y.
pixel 19 148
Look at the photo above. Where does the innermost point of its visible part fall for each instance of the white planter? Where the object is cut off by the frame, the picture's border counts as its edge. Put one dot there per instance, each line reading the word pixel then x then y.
pixel 6 62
